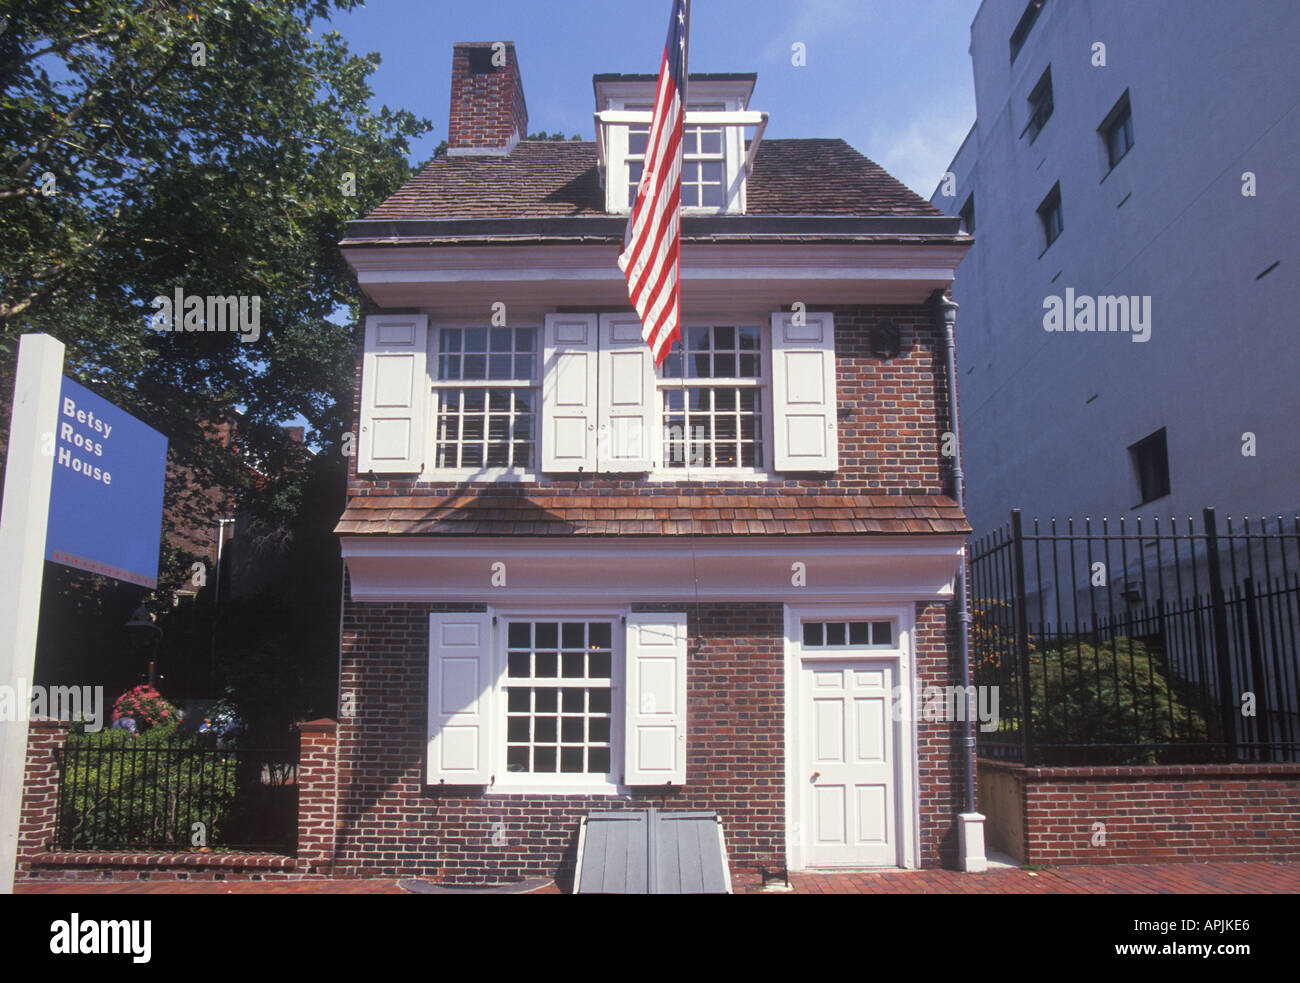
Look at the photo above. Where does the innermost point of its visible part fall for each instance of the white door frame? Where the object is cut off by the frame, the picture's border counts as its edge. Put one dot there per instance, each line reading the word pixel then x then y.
pixel 901 655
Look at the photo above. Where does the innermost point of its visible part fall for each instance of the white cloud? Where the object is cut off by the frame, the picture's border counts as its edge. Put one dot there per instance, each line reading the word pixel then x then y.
pixel 818 20
pixel 920 153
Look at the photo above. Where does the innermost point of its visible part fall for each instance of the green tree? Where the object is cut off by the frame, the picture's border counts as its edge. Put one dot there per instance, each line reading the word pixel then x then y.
pixel 214 147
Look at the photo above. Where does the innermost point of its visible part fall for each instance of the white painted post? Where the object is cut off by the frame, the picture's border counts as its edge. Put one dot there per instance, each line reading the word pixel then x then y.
pixel 26 510
pixel 970 843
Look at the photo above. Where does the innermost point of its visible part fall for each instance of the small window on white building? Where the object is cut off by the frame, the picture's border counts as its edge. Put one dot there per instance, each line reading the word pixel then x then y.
pixel 1150 457
pixel 1049 214
pixel 1117 131
pixel 1040 105
pixel 1025 25
pixel 967 215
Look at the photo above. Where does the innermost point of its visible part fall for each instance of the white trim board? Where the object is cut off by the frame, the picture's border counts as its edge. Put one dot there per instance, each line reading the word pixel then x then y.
pixel 577 570
pixel 902 656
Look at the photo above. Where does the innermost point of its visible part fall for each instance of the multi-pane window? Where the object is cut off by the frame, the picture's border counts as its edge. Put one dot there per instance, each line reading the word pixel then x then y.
pixel 486 397
pixel 1049 213
pixel 712 396
pixel 559 704
pixel 703 162
pixel 843 634
pixel 1117 131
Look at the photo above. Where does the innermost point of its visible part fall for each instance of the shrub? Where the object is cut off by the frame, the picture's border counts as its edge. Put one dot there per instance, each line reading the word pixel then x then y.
pixel 123 790
pixel 1114 693
pixel 145 706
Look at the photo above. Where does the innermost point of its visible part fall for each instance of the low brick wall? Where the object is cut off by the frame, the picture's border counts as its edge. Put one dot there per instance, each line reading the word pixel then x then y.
pixel 39 820
pixel 90 866
pixel 1143 814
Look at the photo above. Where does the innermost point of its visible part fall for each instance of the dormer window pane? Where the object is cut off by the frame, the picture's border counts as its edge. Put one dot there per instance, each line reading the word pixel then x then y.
pixel 634 169
pixel 702 184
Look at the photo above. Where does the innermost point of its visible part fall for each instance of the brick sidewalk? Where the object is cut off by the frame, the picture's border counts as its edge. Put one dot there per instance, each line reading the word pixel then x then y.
pixel 1214 878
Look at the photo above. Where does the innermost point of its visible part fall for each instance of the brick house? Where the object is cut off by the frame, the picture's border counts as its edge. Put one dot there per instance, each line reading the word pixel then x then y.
pixel 576 582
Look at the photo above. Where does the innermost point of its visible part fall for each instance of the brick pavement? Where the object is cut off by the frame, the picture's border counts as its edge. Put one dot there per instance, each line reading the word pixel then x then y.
pixel 1212 878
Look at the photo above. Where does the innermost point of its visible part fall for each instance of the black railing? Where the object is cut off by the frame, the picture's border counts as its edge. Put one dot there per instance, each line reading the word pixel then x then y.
pixel 147 792
pixel 1139 645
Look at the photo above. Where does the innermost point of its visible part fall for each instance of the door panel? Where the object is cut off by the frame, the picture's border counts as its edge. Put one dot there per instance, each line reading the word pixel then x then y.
pixel 849 761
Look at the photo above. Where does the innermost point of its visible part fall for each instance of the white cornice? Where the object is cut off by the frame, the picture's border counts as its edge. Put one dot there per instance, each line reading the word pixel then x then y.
pixel 462 278
pixel 886 568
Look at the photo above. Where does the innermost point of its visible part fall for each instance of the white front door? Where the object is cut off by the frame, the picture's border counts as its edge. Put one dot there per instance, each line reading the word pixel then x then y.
pixel 847 750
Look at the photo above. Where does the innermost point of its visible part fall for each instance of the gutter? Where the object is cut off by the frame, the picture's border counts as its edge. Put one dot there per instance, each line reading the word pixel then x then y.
pixel 947 314
pixel 612 227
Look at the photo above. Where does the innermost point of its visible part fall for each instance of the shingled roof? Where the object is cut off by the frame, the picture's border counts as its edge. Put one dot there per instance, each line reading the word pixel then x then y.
pixel 545 513
pixel 558 179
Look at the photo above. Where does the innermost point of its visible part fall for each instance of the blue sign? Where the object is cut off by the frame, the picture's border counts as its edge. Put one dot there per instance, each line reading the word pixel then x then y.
pixel 106 497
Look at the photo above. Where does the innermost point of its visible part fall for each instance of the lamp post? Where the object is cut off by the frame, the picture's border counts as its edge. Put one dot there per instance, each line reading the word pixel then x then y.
pixel 216 598
pixel 146 638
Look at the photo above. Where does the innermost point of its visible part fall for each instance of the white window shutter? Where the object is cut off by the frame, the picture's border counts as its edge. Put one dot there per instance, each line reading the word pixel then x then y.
pixel 654 748
pixel 394 388
pixel 625 396
pixel 461 685
pixel 569 393
pixel 804 425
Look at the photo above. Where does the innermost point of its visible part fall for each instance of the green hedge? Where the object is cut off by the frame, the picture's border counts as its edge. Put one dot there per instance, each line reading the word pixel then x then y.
pixel 123 790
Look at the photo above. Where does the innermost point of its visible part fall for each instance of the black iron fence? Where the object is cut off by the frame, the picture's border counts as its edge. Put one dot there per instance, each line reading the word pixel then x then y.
pixel 173 792
pixel 1133 643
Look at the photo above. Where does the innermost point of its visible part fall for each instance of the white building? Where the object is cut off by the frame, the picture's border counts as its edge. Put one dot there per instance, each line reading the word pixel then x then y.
pixel 1144 150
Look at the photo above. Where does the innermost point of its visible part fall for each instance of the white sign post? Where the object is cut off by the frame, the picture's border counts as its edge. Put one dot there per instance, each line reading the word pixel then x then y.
pixel 26 507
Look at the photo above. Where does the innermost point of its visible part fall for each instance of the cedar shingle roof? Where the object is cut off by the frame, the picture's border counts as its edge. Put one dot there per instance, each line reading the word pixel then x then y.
pixel 558 179
pixel 543 513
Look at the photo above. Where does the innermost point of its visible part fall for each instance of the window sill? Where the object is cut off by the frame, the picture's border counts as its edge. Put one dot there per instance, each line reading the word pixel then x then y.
pixel 1142 505
pixel 711 474
pixel 1116 164
pixel 463 475
pixel 568 788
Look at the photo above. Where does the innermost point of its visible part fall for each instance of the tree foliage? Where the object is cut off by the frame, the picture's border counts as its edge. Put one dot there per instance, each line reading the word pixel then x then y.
pixel 214 147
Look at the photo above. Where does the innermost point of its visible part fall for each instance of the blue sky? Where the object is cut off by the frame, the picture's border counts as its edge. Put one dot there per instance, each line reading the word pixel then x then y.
pixel 892 77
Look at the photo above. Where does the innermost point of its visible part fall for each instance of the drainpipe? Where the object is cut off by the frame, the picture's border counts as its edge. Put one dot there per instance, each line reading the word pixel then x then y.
pixel 971 829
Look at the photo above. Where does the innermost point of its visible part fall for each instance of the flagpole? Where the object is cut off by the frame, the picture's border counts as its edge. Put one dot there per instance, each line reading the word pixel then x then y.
pixel 686 59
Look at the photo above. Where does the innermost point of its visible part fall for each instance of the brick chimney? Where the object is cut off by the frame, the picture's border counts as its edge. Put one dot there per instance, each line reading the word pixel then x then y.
pixel 488 113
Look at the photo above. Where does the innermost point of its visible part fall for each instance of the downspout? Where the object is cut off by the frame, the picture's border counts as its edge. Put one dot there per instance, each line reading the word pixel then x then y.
pixel 947 310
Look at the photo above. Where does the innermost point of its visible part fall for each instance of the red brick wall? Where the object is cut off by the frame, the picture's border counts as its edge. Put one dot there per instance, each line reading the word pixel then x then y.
pixel 1153 814
pixel 939 760
pixel 486 107
pixel 392 824
pixel 38 818
pixel 317 795
pixel 889 443
pixel 39 821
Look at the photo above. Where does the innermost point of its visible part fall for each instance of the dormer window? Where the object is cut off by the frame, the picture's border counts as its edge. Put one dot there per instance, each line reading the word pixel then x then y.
pixel 720 140
pixel 704 162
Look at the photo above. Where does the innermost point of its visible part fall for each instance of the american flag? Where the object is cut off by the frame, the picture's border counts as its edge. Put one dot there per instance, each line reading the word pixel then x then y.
pixel 652 243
